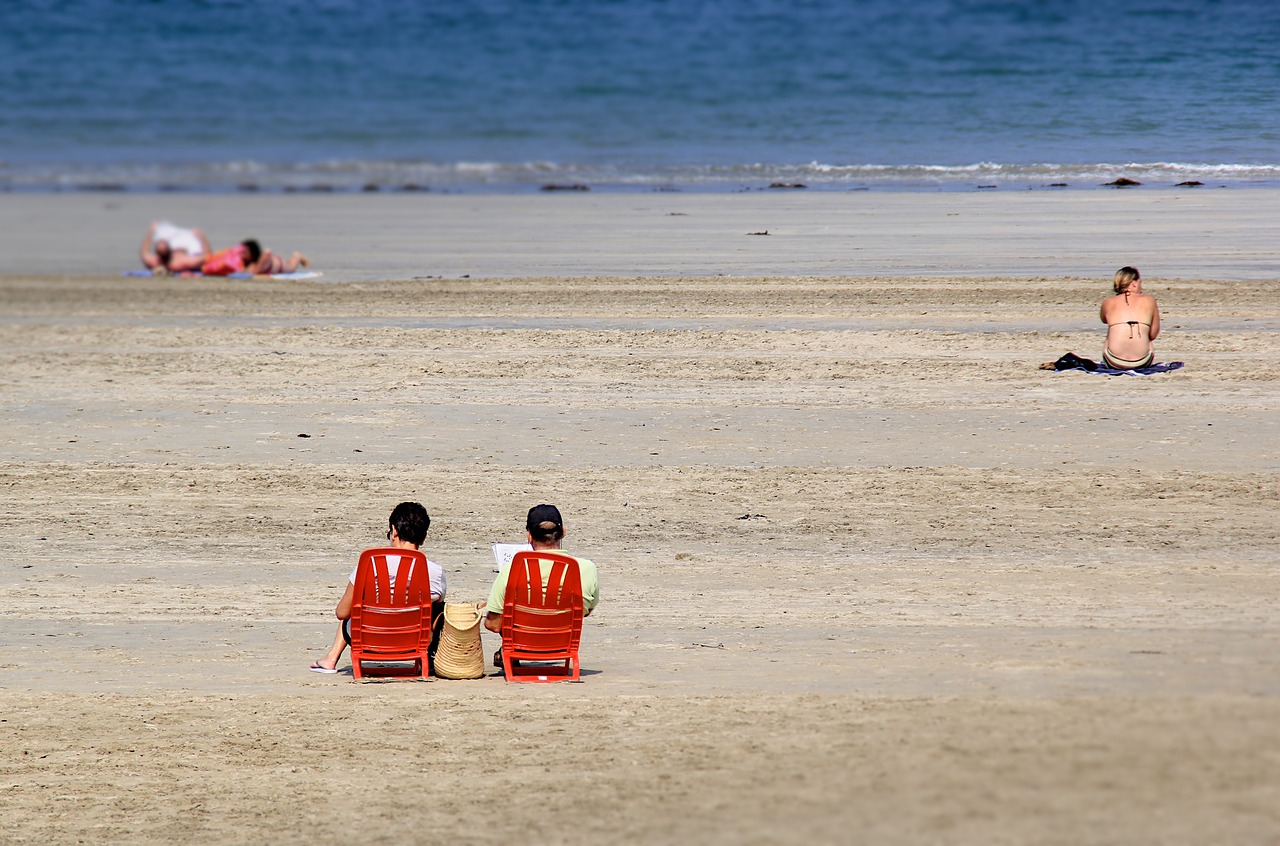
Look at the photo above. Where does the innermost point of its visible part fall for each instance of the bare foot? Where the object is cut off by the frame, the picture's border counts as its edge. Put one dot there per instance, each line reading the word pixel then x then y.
pixel 319 667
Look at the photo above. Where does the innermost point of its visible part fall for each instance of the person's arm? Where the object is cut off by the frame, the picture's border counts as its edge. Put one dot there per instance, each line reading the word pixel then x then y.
pixel 1155 319
pixel 497 596
pixel 439 586
pixel 590 588
pixel 149 258
pixel 343 611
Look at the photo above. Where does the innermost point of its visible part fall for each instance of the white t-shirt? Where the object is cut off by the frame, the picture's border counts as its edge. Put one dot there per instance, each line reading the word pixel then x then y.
pixel 179 238
pixel 434 570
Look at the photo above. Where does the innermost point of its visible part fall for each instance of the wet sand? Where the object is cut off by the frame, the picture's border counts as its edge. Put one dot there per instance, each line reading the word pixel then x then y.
pixel 1200 233
pixel 864 567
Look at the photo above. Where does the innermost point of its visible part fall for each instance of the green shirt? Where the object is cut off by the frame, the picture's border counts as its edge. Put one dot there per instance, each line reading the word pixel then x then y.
pixel 586 572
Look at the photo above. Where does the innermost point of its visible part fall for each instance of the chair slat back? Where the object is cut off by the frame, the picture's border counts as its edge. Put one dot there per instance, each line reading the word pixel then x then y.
pixel 391 618
pixel 375 585
pixel 542 616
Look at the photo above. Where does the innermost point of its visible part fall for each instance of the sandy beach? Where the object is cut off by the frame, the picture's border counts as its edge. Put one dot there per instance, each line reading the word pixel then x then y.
pixel 868 574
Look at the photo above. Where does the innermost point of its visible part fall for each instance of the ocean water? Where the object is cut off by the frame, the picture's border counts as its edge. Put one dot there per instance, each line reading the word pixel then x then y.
pixel 515 95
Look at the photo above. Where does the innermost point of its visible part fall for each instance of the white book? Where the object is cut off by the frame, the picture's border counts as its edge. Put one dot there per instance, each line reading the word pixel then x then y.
pixel 504 552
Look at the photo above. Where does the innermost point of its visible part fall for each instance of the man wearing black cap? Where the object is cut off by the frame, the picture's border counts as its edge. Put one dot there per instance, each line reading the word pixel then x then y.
pixel 546 531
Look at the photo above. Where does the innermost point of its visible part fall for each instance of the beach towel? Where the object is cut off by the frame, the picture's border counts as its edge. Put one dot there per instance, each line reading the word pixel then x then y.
pixel 297 274
pixel 1155 367
pixel 1071 361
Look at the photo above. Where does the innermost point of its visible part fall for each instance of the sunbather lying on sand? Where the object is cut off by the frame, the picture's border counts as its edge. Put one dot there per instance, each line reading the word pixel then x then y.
pixel 167 248
pixel 251 257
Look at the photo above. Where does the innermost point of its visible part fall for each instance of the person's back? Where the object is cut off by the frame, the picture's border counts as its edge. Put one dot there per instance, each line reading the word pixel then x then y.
pixel 406 529
pixel 1133 322
pixel 545 528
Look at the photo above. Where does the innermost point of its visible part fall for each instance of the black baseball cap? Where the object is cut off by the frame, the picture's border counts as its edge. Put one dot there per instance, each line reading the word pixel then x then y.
pixel 540 514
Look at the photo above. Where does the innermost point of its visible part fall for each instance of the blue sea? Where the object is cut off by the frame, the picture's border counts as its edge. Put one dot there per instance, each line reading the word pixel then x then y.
pixel 644 95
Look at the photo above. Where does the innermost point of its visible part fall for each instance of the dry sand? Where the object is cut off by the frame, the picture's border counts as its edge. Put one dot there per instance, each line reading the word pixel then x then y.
pixel 869 575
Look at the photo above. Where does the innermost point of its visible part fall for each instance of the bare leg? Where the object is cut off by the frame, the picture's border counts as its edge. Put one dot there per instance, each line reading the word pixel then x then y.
pixel 185 263
pixel 296 259
pixel 330 661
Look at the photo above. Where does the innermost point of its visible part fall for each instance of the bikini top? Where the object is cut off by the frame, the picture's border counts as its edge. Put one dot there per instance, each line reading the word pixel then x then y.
pixel 1130 324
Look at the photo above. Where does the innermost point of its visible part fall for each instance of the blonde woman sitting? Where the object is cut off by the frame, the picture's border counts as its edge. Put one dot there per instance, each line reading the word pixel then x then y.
pixel 1133 322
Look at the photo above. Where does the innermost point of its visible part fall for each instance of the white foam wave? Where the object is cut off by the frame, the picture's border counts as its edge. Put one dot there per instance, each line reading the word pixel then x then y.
pixel 357 175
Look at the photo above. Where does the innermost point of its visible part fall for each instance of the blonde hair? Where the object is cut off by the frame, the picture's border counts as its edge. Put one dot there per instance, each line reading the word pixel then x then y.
pixel 1125 277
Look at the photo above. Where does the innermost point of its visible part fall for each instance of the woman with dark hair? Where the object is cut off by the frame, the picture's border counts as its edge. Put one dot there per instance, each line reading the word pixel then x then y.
pixel 250 257
pixel 407 529
pixel 268 263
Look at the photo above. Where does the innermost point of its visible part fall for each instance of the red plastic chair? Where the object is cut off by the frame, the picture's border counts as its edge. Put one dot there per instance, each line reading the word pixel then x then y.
pixel 542 617
pixel 391 622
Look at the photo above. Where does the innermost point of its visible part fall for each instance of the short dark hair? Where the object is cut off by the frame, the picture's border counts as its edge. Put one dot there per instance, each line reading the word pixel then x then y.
pixel 411 521
pixel 254 248
pixel 545 524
